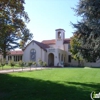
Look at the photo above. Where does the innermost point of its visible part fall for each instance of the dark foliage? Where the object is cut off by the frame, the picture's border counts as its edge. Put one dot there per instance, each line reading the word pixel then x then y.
pixel 88 29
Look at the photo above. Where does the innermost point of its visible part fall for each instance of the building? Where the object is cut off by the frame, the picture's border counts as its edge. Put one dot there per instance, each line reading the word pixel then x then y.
pixel 50 51
pixel 16 55
pixel 53 52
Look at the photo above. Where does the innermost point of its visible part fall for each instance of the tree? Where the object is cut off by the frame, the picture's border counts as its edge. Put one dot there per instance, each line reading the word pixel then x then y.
pixel 13 30
pixel 75 45
pixel 88 29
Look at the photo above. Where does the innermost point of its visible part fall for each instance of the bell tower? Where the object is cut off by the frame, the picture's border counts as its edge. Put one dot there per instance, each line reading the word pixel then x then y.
pixel 60 36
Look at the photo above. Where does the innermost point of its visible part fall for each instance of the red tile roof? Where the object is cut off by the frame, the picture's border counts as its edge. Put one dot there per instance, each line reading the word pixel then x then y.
pixel 45 43
pixel 50 42
pixel 16 52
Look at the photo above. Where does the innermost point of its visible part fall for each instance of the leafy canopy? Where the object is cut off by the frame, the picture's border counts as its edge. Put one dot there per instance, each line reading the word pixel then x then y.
pixel 88 29
pixel 13 30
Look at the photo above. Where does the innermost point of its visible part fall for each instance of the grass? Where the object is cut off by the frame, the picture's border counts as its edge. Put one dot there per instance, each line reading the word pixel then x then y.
pixel 10 67
pixel 50 84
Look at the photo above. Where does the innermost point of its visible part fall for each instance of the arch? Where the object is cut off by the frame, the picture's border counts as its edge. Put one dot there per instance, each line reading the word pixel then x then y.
pixel 51 59
pixel 33 55
pixel 59 35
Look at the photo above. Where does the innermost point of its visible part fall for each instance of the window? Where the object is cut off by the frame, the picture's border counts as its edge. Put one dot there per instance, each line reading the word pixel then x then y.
pixel 69 58
pixel 14 58
pixel 9 57
pixel 21 57
pixel 18 58
pixel 59 56
pixel 59 35
pixel 33 55
pixel 62 57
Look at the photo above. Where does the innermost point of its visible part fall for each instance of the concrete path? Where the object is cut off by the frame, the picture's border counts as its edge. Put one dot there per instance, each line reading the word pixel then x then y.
pixel 20 70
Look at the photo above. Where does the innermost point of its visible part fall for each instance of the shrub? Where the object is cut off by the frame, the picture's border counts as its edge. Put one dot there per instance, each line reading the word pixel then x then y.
pixel 21 63
pixel 44 64
pixel 30 63
pixel 34 63
pixel 11 63
pixel 25 64
pixel 40 62
pixel 0 64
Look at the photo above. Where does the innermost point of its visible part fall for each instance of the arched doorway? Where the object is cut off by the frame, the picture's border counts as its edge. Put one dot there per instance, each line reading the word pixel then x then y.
pixel 51 59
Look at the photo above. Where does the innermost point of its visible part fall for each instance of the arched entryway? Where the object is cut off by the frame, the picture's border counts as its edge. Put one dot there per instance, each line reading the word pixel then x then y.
pixel 51 59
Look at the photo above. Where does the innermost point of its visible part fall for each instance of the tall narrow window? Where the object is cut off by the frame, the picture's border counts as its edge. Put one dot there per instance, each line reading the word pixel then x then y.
pixel 21 57
pixel 18 57
pixel 69 58
pixel 8 58
pixel 14 58
pixel 59 56
pixel 33 55
pixel 62 57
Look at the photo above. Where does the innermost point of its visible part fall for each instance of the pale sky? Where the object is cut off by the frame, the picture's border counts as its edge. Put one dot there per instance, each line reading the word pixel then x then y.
pixel 48 15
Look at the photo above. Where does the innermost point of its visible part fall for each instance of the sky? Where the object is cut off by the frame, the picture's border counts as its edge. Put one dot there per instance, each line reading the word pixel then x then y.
pixel 48 15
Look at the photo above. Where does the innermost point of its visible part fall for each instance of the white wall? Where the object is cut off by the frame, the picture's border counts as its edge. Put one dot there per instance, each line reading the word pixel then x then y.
pixel 40 53
pixel 66 48
pixel 86 64
pixel 92 64
pixel 59 41
pixel 64 55
pixel 52 46
pixel 43 56
pixel 59 44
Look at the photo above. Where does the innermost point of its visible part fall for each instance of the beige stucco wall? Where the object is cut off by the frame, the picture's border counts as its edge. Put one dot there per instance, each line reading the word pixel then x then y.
pixel 87 64
pixel 83 63
pixel 43 56
pixel 66 48
pixel 53 51
pixel 56 55
pixel 40 53
pixel 64 53
pixel 73 62
pixel 52 46
pixel 59 44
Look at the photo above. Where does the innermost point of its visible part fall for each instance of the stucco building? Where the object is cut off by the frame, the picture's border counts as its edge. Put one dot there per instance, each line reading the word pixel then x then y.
pixel 50 51
pixel 53 52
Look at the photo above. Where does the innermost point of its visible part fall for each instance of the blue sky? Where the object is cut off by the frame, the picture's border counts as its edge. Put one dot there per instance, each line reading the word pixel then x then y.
pixel 48 15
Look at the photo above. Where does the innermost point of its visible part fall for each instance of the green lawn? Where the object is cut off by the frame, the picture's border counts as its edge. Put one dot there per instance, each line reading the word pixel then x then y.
pixel 50 84
pixel 9 67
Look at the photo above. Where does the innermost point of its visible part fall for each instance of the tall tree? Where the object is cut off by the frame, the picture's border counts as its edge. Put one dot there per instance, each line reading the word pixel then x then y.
pixel 74 49
pixel 88 29
pixel 13 30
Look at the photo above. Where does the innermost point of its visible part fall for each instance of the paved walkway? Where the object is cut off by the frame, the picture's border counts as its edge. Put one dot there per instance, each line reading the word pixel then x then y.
pixel 19 70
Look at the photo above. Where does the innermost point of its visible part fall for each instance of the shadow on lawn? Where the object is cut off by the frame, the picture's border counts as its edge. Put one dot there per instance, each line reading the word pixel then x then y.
pixel 21 88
